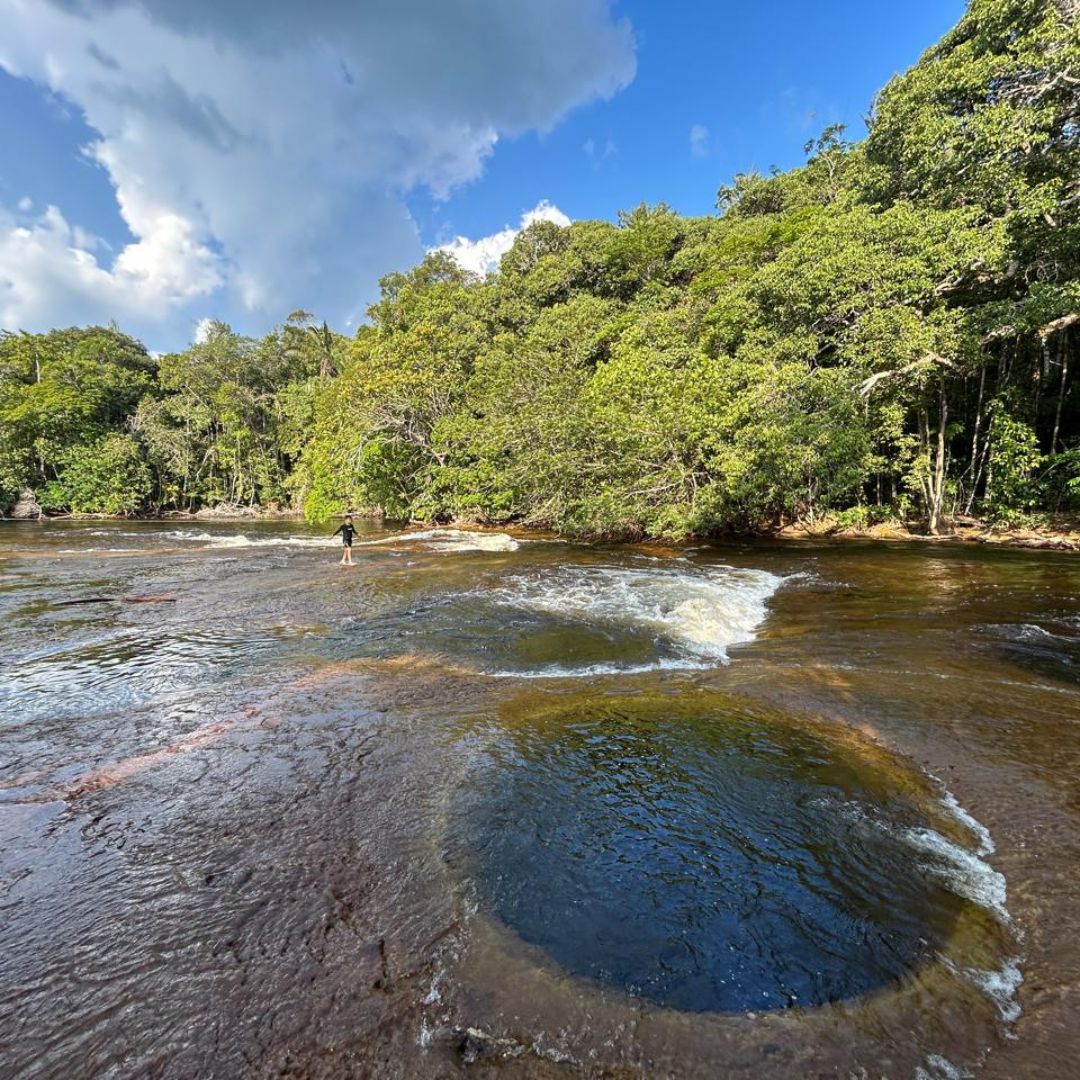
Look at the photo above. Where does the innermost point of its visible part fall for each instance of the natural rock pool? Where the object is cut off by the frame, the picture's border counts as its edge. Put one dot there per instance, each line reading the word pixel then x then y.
pixel 500 805
pixel 706 857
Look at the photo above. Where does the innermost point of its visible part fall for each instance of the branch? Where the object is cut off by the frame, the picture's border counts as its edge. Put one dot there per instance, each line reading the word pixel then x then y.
pixel 997 334
pixel 866 387
pixel 967 279
pixel 1058 325
pixel 1033 89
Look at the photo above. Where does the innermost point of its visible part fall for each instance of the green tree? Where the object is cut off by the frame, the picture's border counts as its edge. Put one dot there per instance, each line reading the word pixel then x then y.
pixel 60 390
pixel 107 476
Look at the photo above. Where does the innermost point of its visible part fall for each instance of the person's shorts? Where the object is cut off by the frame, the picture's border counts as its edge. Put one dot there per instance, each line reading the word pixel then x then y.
pixel 346 543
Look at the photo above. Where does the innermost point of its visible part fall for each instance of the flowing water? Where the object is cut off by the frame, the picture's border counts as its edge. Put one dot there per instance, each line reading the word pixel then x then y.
pixel 504 806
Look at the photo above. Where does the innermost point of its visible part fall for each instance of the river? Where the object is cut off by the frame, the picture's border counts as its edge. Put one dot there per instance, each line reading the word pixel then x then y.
pixel 498 805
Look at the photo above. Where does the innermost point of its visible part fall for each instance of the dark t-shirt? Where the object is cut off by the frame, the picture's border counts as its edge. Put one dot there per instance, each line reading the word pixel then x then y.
pixel 347 531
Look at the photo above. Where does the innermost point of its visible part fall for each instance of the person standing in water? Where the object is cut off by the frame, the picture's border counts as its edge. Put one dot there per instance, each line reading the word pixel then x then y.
pixel 348 531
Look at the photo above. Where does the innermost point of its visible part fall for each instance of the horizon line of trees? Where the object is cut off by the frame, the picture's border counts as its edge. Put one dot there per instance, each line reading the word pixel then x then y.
pixel 90 422
pixel 888 331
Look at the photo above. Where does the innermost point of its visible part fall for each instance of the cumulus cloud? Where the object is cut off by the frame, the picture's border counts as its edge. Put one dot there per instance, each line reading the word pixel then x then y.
pixel 699 140
pixel 483 255
pixel 202 330
pixel 260 150
pixel 50 267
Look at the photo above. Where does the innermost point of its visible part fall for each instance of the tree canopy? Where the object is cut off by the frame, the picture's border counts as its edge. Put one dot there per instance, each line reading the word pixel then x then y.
pixel 888 330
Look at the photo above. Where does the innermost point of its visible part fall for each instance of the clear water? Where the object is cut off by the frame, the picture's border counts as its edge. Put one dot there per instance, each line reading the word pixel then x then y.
pixel 699 856
pixel 540 809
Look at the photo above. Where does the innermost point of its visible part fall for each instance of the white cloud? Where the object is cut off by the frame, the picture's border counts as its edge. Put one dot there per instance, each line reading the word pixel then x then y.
pixel 202 330
pixel 260 150
pixel 47 261
pixel 599 153
pixel 483 255
pixel 25 204
pixel 699 140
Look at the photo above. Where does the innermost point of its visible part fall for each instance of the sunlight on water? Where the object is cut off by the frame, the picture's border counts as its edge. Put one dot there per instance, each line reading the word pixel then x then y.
pixel 747 810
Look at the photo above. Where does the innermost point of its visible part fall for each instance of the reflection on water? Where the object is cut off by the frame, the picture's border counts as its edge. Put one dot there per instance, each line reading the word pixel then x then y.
pixel 700 856
pixel 290 823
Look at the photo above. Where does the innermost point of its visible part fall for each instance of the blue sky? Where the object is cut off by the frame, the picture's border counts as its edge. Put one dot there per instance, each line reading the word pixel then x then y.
pixel 239 158
pixel 762 79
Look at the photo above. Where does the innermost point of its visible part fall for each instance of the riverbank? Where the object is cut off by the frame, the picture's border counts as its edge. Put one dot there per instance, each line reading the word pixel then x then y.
pixel 1061 534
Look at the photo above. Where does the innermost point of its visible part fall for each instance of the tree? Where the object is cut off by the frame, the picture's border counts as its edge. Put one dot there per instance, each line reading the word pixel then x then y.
pixel 60 390
pixel 891 325
pixel 107 476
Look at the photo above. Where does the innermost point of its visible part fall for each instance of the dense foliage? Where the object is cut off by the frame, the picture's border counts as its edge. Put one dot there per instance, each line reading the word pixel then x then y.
pixel 887 331
pixel 91 423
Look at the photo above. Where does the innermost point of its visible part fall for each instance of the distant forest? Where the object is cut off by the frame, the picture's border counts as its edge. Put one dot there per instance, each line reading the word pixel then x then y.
pixel 886 333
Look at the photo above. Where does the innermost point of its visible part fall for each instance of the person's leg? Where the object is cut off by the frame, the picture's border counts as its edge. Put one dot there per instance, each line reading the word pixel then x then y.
pixel 344 553
pixel 348 554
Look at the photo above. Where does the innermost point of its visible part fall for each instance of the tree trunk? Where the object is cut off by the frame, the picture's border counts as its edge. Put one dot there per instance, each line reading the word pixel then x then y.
pixel 938 485
pixel 1063 356
pixel 1041 371
pixel 925 477
pixel 973 469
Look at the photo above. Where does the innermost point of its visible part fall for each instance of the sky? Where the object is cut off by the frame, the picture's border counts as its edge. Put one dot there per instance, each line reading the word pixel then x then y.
pixel 170 161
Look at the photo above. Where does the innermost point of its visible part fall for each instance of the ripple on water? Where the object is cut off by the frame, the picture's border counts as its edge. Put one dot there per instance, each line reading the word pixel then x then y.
pixel 713 859
pixel 125 668
pixel 1054 653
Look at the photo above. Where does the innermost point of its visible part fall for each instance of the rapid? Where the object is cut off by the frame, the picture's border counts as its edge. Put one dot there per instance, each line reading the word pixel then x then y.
pixel 498 805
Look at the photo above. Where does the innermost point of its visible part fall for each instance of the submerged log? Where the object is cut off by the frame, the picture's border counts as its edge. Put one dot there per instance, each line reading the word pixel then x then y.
pixel 118 600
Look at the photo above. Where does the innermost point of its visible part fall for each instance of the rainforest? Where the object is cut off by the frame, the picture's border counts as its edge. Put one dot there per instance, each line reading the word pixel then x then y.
pixel 887 333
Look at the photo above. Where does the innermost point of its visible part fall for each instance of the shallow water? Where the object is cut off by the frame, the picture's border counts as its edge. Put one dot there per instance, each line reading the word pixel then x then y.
pixel 509 806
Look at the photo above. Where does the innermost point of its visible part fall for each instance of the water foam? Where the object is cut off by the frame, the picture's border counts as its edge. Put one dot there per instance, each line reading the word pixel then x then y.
pixel 940 1068
pixel 974 826
pixel 239 540
pixel 959 870
pixel 561 671
pixel 1000 986
pixel 703 610
pixel 441 540
pixel 970 876
pixel 451 540
pixel 1032 633
pixel 963 872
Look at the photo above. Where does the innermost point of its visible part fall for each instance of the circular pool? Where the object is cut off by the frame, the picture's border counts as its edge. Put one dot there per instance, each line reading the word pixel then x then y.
pixel 702 856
